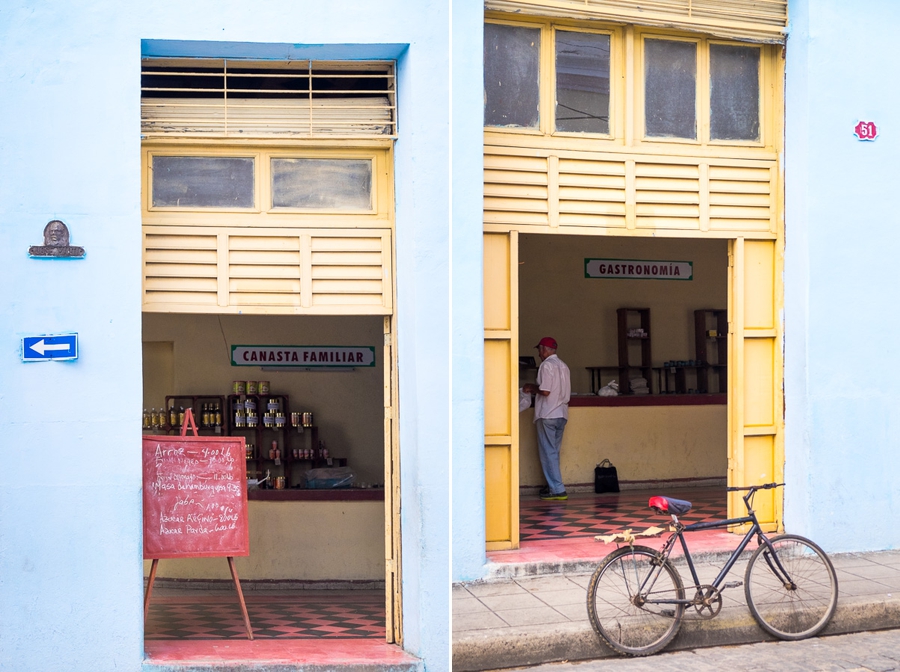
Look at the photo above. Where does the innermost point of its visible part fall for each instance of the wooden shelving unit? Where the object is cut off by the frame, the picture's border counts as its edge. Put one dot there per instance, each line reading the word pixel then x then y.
pixel 711 348
pixel 287 436
pixel 626 324
pixel 195 402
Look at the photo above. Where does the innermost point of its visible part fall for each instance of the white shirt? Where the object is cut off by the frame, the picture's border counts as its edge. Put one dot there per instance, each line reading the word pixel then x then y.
pixel 553 377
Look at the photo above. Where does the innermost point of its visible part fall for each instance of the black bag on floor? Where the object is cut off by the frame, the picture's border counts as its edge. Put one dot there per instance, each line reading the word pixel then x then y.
pixel 606 478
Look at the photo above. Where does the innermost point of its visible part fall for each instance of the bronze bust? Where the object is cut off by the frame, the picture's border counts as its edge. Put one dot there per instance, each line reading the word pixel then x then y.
pixel 56 243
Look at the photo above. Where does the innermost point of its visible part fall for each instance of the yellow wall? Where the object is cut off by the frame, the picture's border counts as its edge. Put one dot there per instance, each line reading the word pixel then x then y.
pixel 555 299
pixel 644 443
pixel 312 541
pixel 348 407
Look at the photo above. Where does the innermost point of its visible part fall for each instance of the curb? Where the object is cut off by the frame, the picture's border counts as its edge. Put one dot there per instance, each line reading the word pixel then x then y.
pixel 505 571
pixel 537 644
pixel 292 666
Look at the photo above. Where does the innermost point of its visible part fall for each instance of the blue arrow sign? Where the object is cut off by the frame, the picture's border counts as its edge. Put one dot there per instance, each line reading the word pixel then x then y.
pixel 46 348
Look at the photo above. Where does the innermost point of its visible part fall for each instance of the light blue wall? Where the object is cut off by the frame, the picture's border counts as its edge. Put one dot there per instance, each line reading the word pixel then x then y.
pixel 70 554
pixel 467 301
pixel 841 289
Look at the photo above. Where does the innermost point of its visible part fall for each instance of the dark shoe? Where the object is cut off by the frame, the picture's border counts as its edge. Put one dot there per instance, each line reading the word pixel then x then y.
pixel 545 490
pixel 556 497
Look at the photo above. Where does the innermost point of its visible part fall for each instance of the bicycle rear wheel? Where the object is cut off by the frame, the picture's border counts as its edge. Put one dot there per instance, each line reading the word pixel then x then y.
pixel 793 609
pixel 622 601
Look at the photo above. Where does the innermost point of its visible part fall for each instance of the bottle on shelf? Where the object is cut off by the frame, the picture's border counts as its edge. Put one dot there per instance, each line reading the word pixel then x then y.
pixel 172 417
pixel 218 419
pixel 180 416
pixel 154 418
pixel 146 420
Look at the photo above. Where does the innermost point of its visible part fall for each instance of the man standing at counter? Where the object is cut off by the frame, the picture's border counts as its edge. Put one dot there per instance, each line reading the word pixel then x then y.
pixel 551 412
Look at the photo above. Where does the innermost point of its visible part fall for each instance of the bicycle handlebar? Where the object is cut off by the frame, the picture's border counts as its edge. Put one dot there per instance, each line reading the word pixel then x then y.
pixel 765 486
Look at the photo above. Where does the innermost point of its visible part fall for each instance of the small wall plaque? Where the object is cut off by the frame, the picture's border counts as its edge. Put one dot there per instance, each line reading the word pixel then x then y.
pixel 56 243
pixel 865 130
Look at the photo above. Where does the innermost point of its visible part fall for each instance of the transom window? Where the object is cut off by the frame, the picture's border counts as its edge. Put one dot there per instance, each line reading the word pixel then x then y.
pixel 671 87
pixel 557 80
pixel 511 75
pixel 264 181
pixel 512 78
pixel 582 82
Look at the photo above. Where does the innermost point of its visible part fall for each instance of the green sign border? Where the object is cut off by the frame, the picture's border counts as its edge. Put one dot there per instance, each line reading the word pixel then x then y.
pixel 307 365
pixel 641 261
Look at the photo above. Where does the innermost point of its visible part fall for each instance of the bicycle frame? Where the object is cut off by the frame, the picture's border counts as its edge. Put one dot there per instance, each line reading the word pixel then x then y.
pixel 755 530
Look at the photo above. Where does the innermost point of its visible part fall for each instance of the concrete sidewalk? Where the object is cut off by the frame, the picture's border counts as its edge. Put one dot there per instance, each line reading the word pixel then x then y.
pixel 540 618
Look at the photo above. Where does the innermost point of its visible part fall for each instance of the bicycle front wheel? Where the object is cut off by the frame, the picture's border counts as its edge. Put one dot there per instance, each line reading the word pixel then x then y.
pixel 796 605
pixel 631 601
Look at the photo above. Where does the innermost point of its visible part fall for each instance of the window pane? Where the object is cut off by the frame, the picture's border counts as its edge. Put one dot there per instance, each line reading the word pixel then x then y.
pixel 734 92
pixel 511 75
pixel 582 82
pixel 340 184
pixel 202 182
pixel 670 88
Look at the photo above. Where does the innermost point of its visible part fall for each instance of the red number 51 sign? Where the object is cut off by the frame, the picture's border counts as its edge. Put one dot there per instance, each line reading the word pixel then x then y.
pixel 866 130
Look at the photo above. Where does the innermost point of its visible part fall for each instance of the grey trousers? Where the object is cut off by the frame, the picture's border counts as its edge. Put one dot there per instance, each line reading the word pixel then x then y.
pixel 549 436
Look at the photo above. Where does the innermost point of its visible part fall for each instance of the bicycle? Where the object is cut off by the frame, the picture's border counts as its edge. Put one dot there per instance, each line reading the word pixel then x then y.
pixel 636 599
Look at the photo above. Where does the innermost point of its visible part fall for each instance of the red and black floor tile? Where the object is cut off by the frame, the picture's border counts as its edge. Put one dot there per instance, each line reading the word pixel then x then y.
pixel 337 614
pixel 587 515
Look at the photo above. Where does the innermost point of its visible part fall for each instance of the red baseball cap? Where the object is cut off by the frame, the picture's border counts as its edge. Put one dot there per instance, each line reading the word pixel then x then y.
pixel 547 342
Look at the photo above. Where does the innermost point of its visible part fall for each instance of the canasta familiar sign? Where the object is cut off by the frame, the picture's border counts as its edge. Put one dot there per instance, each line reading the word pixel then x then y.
pixel 303 356
pixel 639 269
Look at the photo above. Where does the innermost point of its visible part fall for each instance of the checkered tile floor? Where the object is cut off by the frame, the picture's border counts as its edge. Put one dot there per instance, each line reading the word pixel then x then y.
pixel 337 614
pixel 587 514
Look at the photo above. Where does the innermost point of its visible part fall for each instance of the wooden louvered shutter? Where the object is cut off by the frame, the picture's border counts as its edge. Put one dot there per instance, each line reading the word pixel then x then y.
pixel 296 271
pixel 569 190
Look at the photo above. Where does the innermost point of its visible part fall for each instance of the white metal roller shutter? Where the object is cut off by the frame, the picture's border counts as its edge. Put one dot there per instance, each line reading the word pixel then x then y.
pixel 751 20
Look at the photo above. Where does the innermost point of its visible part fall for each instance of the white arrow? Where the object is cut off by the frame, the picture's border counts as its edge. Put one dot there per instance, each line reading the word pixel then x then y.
pixel 40 347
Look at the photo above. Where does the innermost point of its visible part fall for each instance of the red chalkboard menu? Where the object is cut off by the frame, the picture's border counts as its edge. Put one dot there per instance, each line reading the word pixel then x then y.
pixel 195 497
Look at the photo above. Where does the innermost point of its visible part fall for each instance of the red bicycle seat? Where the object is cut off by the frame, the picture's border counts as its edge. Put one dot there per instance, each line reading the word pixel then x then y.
pixel 669 505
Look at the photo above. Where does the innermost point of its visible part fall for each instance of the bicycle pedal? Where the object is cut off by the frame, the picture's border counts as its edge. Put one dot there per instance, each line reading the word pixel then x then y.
pixel 732 584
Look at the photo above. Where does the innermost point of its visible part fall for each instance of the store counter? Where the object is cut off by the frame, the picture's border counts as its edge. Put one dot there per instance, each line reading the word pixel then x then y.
pixel 592 400
pixel 302 535
pixel 318 495
pixel 648 438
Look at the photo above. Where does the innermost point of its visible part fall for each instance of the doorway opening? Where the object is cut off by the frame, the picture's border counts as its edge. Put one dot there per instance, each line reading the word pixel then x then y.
pixel 317 567
pixel 645 321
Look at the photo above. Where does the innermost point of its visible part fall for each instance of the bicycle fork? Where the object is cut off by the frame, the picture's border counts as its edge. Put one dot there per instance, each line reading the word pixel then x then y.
pixel 774 563
pixel 643 586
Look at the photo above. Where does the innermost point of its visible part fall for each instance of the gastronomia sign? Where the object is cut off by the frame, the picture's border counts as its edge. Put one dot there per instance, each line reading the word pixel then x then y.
pixel 639 269
pixel 303 356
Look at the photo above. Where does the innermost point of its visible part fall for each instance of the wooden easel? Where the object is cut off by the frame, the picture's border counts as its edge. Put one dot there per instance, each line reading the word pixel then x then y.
pixel 189 419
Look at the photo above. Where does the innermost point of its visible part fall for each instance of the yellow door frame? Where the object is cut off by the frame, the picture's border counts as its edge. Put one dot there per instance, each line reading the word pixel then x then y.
pixel 756 376
pixel 755 380
pixel 538 181
pixel 501 407
pixel 260 225
pixel 392 565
